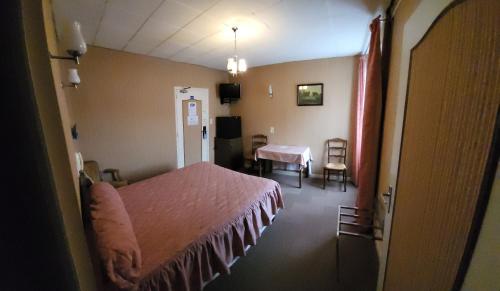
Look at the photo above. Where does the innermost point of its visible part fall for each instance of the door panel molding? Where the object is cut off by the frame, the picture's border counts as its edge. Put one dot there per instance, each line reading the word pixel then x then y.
pixel 193 139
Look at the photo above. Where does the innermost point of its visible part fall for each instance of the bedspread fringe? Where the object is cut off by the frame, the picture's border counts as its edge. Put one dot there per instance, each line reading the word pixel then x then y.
pixel 213 254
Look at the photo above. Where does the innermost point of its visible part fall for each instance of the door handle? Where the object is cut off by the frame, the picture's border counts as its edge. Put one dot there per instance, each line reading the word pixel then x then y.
pixel 204 132
pixel 389 195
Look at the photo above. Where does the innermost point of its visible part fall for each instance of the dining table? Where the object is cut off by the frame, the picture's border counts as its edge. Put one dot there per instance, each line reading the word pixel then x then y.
pixel 290 154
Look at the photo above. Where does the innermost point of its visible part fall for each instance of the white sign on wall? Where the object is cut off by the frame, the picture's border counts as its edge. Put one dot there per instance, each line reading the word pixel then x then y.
pixel 192 108
pixel 192 120
pixel 192 117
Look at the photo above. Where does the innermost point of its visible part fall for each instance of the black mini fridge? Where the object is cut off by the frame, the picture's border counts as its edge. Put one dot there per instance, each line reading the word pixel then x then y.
pixel 228 148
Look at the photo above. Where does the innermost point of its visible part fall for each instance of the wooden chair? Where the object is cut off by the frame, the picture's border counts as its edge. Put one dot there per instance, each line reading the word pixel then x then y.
pixel 91 168
pixel 258 140
pixel 337 151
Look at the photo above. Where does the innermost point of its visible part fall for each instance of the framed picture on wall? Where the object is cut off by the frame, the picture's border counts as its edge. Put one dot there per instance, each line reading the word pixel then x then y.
pixel 310 94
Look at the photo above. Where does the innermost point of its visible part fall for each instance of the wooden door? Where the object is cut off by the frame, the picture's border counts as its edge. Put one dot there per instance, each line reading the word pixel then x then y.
pixel 191 116
pixel 452 105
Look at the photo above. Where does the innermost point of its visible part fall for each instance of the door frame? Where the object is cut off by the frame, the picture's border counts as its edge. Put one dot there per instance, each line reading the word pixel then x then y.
pixel 179 96
pixel 424 17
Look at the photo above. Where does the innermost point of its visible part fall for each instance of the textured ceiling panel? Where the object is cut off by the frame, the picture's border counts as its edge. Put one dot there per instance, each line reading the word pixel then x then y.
pixel 200 5
pixel 205 26
pixel 87 12
pixel 175 13
pixel 186 37
pixel 167 49
pixel 199 31
pixel 121 20
pixel 152 34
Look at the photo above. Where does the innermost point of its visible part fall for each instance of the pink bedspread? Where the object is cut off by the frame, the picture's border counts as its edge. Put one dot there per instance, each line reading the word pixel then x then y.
pixel 191 223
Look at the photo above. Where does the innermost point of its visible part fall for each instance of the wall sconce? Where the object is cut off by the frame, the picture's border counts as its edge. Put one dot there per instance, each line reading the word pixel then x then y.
pixel 270 91
pixel 77 45
pixel 73 79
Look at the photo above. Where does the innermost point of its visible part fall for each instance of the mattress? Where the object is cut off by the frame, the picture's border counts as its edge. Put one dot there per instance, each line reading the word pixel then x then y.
pixel 193 222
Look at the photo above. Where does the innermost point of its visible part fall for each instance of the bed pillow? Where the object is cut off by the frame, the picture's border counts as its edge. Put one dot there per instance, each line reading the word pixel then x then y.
pixel 115 237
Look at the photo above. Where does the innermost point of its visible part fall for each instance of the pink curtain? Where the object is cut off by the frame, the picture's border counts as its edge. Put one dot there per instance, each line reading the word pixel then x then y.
pixel 369 112
pixel 358 118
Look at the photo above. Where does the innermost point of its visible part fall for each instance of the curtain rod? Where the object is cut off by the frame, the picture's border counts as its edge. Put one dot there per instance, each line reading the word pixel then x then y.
pixel 380 19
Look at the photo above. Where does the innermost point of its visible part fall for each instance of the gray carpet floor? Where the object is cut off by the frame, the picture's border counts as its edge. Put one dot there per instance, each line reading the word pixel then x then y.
pixel 297 252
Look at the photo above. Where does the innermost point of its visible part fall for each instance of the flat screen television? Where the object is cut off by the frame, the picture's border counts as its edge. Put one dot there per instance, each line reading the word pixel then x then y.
pixel 229 92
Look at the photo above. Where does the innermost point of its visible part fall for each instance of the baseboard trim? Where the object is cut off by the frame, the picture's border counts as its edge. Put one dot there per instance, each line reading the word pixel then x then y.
pixel 292 173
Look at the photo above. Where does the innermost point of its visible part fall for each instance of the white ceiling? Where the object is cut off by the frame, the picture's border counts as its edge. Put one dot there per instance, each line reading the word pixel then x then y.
pixel 199 31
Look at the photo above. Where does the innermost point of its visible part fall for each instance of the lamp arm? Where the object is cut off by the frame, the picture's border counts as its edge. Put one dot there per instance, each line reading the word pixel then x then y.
pixel 72 85
pixel 76 59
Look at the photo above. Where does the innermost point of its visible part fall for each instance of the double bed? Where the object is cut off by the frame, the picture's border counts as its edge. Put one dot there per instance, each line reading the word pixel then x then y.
pixel 189 224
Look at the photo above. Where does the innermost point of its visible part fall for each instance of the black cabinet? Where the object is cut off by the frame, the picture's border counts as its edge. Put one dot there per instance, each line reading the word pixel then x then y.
pixel 228 146
pixel 229 152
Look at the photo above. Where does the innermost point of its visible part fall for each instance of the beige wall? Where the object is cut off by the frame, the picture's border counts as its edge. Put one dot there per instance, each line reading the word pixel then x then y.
pixel 125 112
pixel 392 119
pixel 55 119
pixel 403 13
pixel 297 125
pixel 58 73
pixel 485 263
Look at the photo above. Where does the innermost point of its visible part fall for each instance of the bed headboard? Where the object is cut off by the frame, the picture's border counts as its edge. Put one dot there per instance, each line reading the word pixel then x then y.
pixel 85 183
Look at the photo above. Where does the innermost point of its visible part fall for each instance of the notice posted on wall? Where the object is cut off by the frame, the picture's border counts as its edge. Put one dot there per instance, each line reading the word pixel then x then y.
pixel 192 108
pixel 192 120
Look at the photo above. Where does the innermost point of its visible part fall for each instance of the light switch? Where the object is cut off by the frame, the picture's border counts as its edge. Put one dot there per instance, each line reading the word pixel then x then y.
pixel 79 162
pixel 271 129
pixel 211 121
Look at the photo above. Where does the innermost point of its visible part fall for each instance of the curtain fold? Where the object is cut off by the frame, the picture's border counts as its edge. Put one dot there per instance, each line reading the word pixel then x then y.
pixel 369 111
pixel 358 119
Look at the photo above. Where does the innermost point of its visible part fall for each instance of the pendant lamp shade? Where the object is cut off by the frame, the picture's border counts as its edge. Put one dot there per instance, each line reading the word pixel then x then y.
pixel 234 64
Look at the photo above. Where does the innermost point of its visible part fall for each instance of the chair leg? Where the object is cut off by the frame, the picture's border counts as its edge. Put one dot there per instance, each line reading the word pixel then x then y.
pixel 324 179
pixel 300 177
pixel 344 174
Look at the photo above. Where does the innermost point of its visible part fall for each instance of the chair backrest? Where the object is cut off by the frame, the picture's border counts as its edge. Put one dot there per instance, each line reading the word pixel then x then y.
pixel 91 168
pixel 337 150
pixel 258 140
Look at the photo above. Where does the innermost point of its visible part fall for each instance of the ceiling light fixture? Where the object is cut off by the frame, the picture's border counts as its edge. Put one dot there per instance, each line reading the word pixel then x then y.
pixel 235 65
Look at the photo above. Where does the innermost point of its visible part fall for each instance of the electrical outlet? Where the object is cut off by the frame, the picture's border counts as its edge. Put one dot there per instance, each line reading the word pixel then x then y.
pixel 271 129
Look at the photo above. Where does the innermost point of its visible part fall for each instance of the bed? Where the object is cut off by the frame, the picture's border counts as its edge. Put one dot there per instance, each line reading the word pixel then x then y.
pixel 187 226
